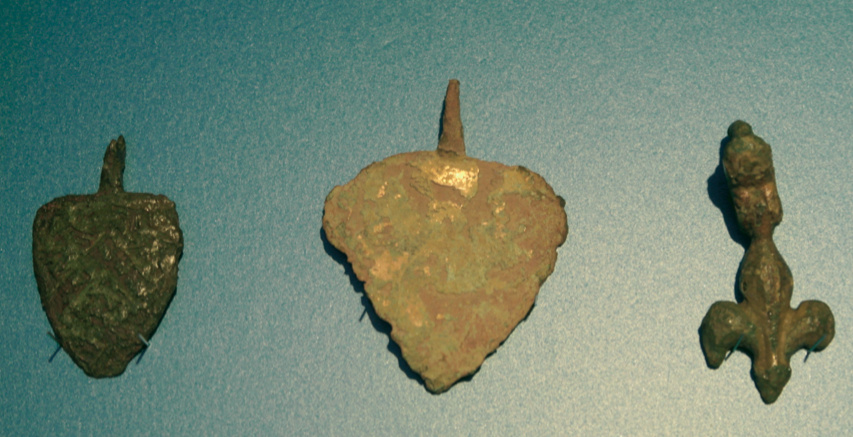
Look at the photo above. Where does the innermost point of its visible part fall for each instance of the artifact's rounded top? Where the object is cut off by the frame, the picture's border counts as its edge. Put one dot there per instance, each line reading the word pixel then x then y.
pixel 739 128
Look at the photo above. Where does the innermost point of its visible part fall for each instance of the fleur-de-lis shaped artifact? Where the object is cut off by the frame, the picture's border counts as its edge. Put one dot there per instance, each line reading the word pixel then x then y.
pixel 763 323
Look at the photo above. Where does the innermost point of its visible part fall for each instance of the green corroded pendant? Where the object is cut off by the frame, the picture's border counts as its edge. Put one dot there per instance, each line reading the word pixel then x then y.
pixel 452 250
pixel 106 265
pixel 763 323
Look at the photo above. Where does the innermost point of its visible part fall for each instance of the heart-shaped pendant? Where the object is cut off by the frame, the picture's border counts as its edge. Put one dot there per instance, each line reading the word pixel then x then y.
pixel 106 265
pixel 452 250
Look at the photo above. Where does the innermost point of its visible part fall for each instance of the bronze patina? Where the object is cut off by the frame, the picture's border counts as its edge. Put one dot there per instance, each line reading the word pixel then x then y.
pixel 763 323
pixel 452 250
pixel 106 265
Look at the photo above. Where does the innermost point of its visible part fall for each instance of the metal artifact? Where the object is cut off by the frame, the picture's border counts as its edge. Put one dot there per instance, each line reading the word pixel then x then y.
pixel 452 250
pixel 106 265
pixel 763 323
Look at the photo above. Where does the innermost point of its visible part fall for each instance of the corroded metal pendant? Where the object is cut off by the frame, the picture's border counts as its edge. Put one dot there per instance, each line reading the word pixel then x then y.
pixel 452 250
pixel 763 323
pixel 106 265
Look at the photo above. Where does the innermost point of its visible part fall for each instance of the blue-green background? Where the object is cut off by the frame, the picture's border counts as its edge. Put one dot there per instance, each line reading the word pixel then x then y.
pixel 246 114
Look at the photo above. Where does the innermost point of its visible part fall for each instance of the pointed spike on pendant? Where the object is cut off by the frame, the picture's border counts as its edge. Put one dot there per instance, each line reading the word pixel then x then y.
pixel 451 139
pixel 112 173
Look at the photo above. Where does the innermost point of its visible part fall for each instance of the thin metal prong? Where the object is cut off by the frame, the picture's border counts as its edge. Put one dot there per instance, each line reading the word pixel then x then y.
pixel 734 348
pixel 144 349
pixel 811 349
pixel 142 339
